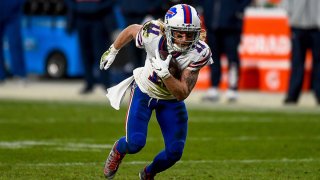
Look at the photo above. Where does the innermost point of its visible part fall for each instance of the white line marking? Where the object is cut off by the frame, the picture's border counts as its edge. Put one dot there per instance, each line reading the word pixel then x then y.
pixel 70 146
pixel 228 161
pixel 193 119
pixel 247 119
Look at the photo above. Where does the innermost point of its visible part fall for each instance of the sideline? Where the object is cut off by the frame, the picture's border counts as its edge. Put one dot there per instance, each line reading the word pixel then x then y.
pixel 68 91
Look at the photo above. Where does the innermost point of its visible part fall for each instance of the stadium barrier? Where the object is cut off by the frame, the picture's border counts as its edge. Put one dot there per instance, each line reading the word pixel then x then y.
pixel 264 54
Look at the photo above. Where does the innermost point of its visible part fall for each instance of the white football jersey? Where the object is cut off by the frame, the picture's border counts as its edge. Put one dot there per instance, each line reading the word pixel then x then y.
pixel 150 38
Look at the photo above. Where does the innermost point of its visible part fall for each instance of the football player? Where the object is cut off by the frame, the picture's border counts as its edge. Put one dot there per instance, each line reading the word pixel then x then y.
pixel 154 88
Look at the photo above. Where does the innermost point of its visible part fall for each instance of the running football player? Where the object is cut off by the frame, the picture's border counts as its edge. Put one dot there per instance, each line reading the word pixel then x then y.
pixel 154 88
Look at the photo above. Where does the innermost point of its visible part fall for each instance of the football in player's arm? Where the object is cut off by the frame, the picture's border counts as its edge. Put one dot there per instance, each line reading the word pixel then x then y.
pixel 175 54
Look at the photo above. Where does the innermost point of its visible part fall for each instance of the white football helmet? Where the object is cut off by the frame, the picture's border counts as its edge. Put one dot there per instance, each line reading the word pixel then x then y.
pixel 182 17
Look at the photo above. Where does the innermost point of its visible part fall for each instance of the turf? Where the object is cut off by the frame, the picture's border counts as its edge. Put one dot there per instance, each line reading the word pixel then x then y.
pixel 54 140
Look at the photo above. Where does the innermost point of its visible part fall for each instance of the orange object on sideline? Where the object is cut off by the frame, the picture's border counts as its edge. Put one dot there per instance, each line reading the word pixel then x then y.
pixel 265 54
pixel 204 81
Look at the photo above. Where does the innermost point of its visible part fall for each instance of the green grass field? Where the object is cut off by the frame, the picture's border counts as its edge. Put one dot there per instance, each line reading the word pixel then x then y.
pixel 55 140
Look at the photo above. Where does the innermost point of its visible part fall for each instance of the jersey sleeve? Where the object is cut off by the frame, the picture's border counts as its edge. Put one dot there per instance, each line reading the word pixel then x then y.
pixel 147 33
pixel 204 58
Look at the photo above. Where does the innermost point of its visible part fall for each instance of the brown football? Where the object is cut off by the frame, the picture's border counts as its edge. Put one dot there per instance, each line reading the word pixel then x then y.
pixel 174 68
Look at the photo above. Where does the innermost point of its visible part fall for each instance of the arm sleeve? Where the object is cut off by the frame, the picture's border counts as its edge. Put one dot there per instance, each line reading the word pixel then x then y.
pixel 139 40
pixel 205 59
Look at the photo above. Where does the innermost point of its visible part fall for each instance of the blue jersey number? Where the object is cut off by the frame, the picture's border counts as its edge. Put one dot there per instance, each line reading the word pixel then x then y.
pixel 199 47
pixel 155 79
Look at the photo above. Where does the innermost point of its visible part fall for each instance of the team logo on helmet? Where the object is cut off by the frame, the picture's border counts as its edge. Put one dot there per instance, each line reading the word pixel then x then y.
pixel 171 12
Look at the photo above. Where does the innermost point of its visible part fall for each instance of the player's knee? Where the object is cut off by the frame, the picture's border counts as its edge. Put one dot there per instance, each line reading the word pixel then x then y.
pixel 175 150
pixel 136 143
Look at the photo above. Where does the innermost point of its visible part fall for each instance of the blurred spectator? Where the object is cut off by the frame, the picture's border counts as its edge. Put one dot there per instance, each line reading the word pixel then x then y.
pixel 304 18
pixel 223 19
pixel 94 21
pixel 266 3
pixel 138 12
pixel 10 25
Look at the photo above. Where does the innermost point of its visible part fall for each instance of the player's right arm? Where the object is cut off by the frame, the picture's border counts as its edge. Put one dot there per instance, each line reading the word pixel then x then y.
pixel 123 38
pixel 126 36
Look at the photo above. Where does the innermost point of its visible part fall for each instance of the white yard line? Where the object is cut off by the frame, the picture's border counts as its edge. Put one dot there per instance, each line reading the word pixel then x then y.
pixel 49 120
pixel 55 145
pixel 192 119
pixel 225 161
pixel 81 146
pixel 253 138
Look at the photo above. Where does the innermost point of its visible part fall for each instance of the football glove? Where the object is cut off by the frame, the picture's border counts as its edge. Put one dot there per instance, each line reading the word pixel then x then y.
pixel 108 57
pixel 161 66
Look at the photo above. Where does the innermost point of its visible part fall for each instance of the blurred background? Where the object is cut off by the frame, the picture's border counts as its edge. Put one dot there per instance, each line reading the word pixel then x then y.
pixel 55 50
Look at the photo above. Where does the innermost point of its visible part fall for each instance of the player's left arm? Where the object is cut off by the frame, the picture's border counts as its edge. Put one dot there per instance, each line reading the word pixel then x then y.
pixel 182 88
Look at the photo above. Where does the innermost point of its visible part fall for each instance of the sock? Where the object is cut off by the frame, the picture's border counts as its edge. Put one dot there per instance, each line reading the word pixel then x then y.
pixel 122 146
pixel 159 164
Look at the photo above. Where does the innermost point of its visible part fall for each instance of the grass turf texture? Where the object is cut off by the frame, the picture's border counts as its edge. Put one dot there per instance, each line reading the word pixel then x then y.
pixel 52 140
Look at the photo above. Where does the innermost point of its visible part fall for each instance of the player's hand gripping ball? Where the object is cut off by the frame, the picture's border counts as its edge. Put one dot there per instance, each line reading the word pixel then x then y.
pixel 174 68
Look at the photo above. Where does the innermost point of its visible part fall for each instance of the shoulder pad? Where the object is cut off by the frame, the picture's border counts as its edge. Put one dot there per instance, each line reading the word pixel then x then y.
pixel 151 29
pixel 203 56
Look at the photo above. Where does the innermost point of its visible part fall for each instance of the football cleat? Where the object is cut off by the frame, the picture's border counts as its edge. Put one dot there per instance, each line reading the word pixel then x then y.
pixel 143 175
pixel 112 163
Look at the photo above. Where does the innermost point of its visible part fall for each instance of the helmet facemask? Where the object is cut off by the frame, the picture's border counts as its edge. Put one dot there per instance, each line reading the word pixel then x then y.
pixel 182 27
pixel 173 37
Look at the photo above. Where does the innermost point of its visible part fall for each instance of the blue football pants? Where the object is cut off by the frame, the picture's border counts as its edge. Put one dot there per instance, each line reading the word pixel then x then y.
pixel 172 117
